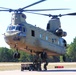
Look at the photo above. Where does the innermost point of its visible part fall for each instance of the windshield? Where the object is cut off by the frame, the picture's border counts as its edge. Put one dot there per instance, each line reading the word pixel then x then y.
pixel 16 28
pixel 10 28
pixel 19 28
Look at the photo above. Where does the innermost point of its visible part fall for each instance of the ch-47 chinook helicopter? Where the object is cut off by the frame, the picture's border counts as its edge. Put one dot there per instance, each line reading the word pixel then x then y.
pixel 31 39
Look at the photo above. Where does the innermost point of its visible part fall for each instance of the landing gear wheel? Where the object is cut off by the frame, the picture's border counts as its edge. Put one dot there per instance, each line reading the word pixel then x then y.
pixel 16 55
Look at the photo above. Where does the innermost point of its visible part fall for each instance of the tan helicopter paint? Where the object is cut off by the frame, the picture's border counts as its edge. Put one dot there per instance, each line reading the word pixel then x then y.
pixel 36 39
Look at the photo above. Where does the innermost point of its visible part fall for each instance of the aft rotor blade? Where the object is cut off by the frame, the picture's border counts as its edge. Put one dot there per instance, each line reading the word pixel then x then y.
pixel 45 9
pixel 69 14
pixel 33 4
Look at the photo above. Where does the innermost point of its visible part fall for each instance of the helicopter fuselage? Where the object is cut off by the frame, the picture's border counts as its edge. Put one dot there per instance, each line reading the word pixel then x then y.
pixel 28 38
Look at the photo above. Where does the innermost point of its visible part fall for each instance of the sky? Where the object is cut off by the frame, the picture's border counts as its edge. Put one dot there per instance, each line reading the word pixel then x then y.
pixel 68 23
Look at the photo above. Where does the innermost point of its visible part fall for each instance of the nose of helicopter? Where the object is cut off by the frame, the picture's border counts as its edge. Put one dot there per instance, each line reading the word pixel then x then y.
pixel 11 37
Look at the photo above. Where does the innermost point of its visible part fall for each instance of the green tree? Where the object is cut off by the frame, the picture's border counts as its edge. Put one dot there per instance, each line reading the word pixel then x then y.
pixel 71 51
pixel 24 57
pixel 5 55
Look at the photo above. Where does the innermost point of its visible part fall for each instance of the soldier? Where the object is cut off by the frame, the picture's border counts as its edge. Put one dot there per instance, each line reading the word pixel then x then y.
pixel 44 59
pixel 37 62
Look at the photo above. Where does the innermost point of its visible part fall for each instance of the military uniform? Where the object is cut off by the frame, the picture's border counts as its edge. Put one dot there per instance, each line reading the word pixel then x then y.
pixel 44 59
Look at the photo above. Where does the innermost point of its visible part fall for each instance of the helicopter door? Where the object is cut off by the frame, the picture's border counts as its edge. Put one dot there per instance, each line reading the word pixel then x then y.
pixel 23 33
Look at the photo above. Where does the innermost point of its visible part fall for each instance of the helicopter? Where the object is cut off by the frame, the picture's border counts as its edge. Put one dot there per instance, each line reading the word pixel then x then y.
pixel 21 35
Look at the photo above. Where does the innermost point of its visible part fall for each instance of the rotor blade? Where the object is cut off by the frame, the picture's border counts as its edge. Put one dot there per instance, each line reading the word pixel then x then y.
pixel 40 14
pixel 9 10
pixel 70 14
pixel 46 9
pixel 33 4
pixel 4 8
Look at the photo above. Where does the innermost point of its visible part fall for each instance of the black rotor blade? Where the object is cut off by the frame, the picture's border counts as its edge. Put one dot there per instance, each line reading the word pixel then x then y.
pixel 40 14
pixel 4 8
pixel 46 9
pixel 69 14
pixel 33 4
pixel 8 10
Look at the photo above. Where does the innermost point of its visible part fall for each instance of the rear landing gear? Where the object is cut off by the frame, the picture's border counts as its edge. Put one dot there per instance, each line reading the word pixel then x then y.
pixel 40 58
pixel 64 58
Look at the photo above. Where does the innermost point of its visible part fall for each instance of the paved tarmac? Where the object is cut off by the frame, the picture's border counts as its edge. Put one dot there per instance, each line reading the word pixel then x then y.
pixel 49 72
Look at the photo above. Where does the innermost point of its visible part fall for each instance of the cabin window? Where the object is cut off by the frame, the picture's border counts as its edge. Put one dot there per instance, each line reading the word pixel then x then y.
pixel 33 33
pixel 46 38
pixel 40 35
pixel 52 40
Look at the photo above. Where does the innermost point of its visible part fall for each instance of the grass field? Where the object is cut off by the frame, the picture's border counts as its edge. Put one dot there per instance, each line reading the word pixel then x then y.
pixel 17 66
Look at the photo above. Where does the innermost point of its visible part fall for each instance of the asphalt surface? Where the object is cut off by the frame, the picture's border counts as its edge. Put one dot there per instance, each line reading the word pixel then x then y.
pixel 48 72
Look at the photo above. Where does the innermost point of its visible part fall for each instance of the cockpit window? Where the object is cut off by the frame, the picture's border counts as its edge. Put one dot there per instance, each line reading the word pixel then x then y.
pixel 16 28
pixel 19 28
pixel 11 28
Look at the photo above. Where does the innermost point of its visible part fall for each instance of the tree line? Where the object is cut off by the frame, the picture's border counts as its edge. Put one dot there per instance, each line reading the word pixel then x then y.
pixel 6 55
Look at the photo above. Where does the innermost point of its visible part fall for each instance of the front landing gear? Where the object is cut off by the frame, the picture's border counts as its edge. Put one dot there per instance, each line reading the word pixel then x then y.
pixel 16 54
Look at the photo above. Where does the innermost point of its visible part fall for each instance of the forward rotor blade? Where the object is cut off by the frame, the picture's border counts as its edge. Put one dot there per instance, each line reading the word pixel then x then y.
pixel 46 9
pixel 8 10
pixel 4 8
pixel 33 4
pixel 40 14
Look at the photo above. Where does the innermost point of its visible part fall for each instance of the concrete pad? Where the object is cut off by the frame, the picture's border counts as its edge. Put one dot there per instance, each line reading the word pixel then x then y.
pixel 49 72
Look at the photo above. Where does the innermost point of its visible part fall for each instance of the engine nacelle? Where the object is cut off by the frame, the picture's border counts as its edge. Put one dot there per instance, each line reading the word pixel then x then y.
pixel 59 32
pixel 64 34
